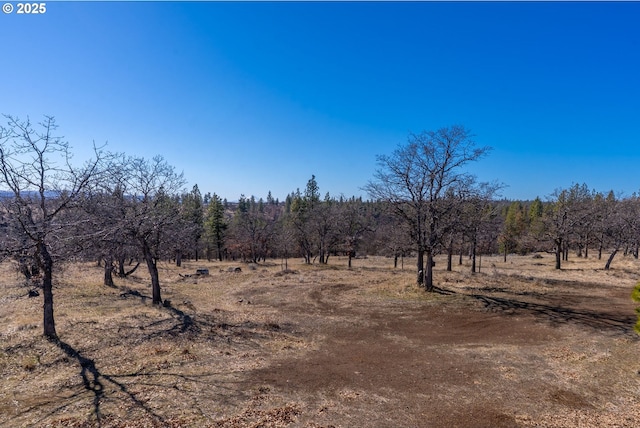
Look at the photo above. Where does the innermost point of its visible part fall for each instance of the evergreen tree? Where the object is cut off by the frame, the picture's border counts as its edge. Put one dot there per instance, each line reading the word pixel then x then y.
pixel 513 229
pixel 312 192
pixel 215 226
pixel 536 210
pixel 193 216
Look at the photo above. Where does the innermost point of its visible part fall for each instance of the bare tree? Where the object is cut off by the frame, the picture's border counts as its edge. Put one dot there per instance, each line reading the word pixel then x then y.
pixel 389 235
pixel 153 212
pixel 36 168
pixel 604 209
pixel 252 229
pixel 562 217
pixel 622 225
pixel 325 222
pixel 416 178
pixel 108 210
pixel 355 219
pixel 477 212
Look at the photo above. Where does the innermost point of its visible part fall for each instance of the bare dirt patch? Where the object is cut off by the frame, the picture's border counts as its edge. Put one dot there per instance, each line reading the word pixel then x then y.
pixel 519 344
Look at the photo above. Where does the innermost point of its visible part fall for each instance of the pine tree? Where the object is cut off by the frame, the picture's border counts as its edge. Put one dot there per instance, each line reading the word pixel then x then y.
pixel 514 228
pixel 193 215
pixel 535 210
pixel 215 226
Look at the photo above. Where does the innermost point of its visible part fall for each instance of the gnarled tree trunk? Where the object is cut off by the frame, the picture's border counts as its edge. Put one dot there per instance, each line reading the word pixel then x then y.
pixel 108 271
pixel 155 278
pixel 46 264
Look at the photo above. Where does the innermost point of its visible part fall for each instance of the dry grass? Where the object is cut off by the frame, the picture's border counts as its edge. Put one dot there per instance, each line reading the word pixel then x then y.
pixel 215 356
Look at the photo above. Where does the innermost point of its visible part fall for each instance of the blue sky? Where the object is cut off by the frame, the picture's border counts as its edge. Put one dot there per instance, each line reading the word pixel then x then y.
pixel 251 97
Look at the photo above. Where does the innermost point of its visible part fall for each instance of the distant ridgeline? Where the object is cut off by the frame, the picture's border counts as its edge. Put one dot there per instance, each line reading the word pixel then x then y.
pixel 49 194
pixel 6 194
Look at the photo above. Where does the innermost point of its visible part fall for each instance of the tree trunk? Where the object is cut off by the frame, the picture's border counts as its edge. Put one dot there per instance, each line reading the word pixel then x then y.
pixel 395 260
pixel 429 277
pixel 108 271
pixel 155 279
pixel 450 257
pixel 600 249
pixel 178 258
pixel 350 255
pixel 420 267
pixel 613 254
pixel 473 255
pixel 121 272
pixel 219 247
pixel 46 263
pixel 558 254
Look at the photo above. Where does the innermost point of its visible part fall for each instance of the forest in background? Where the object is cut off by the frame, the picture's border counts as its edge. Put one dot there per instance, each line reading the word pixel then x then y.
pixel 128 211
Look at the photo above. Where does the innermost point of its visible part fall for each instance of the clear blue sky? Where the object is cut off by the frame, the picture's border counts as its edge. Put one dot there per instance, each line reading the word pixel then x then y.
pixel 251 97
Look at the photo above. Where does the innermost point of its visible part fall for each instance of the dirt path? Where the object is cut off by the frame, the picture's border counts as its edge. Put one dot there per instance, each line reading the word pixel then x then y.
pixel 490 359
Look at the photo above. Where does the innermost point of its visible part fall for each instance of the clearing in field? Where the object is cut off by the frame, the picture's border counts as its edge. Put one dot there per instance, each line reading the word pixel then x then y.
pixel 517 345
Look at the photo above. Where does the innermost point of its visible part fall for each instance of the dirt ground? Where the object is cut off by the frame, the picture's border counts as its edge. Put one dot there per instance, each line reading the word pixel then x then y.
pixel 517 345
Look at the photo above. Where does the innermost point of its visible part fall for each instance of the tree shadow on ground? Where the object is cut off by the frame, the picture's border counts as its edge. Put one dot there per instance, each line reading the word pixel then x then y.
pixel 103 387
pixel 557 315
pixel 185 322
pixel 94 382
pixel 209 327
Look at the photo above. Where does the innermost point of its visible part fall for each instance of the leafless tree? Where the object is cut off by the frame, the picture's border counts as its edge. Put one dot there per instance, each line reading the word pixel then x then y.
pixel 415 179
pixel 478 211
pixel 562 217
pixel 325 222
pixel 108 209
pixel 153 214
pixel 623 225
pixel 391 236
pixel 36 167
pixel 252 229
pixel 354 219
